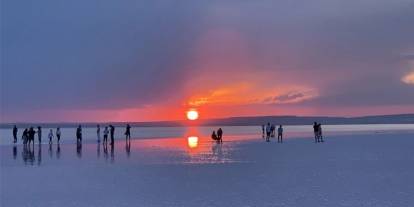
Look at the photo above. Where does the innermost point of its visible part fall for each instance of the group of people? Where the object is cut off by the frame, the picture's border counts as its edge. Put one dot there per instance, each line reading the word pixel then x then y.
pixel 217 137
pixel 269 131
pixel 28 135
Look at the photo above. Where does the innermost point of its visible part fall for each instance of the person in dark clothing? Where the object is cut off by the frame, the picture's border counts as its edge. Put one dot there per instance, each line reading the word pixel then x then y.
pixel 320 132
pixel 316 131
pixel 112 132
pixel 31 135
pixel 15 134
pixel 220 135
pixel 58 133
pixel 39 134
pixel 25 136
pixel 105 138
pixel 79 133
pixel 263 131
pixel 214 136
pixel 128 132
pixel 280 134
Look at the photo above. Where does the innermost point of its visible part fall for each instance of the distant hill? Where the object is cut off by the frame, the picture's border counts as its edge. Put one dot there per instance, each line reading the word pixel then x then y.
pixel 248 121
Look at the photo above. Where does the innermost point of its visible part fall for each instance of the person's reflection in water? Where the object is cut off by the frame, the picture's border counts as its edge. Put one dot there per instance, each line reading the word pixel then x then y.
pixel 50 150
pixel 28 154
pixel 105 148
pixel 112 153
pixel 128 147
pixel 217 151
pixel 79 149
pixel 58 151
pixel 39 154
pixel 98 150
pixel 14 151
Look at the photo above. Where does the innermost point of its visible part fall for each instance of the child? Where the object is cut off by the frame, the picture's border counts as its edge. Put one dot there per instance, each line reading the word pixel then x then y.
pixel 50 136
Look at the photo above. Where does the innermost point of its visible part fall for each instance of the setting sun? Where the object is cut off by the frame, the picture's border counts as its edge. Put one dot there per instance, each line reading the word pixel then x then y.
pixel 192 114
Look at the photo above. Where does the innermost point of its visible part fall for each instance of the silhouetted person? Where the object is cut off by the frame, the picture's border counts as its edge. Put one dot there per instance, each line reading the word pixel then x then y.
pixel 268 132
pixel 79 133
pixel 58 133
pixel 128 132
pixel 320 132
pixel 98 132
pixel 220 135
pixel 31 135
pixel 316 131
pixel 263 131
pixel 14 151
pixel 39 134
pixel 272 130
pixel 214 136
pixel 280 134
pixel 25 136
pixel 50 136
pixel 112 131
pixel 105 132
pixel 15 134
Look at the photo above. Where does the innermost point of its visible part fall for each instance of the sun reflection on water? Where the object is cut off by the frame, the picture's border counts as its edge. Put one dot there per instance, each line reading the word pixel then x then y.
pixel 192 141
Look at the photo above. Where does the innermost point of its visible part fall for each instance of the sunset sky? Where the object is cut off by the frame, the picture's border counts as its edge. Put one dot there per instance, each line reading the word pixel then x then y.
pixel 105 60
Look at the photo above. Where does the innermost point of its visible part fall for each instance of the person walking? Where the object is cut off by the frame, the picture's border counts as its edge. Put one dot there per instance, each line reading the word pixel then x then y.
pixel 15 134
pixel 263 131
pixel 39 134
pixel 98 132
pixel 268 131
pixel 128 132
pixel 58 133
pixel 280 134
pixel 50 136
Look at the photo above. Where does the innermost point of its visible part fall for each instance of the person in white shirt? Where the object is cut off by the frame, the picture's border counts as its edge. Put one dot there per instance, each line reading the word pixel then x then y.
pixel 50 136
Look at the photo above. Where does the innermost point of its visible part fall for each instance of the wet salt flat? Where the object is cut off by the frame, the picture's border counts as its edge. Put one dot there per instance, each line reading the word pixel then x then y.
pixel 352 168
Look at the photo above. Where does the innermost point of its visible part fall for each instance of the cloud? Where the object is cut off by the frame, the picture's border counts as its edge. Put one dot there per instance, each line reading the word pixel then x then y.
pixel 409 78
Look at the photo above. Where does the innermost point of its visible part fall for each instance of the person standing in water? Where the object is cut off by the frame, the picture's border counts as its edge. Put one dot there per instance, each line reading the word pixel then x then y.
pixel 98 132
pixel 31 135
pixel 268 131
pixel 15 134
pixel 220 135
pixel 39 134
pixel 50 136
pixel 112 131
pixel 25 136
pixel 58 134
pixel 316 131
pixel 79 134
pixel 320 137
pixel 128 132
pixel 280 134
pixel 263 131
pixel 105 138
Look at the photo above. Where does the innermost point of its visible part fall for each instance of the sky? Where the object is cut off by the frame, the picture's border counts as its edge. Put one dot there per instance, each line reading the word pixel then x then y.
pixel 105 60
